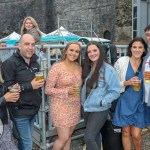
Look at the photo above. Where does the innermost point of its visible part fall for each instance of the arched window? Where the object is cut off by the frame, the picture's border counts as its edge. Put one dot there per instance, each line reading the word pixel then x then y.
pixel 107 35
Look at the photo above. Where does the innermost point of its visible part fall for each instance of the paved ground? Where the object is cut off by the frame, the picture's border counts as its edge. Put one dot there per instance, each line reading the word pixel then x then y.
pixel 78 144
pixel 146 141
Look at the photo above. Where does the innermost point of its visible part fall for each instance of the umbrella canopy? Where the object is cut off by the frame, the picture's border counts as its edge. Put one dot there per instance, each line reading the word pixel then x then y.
pixel 43 34
pixel 12 38
pixel 60 34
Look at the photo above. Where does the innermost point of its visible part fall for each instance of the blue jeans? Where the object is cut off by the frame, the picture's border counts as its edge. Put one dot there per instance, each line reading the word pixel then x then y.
pixel 25 128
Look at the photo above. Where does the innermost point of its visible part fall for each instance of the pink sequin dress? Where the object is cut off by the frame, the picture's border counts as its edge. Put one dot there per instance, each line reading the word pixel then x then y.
pixel 64 109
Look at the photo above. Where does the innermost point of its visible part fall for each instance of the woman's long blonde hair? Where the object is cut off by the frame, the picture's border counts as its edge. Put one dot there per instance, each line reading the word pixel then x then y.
pixel 34 24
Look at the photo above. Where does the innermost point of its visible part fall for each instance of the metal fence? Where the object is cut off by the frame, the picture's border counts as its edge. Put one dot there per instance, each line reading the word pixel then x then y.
pixel 44 132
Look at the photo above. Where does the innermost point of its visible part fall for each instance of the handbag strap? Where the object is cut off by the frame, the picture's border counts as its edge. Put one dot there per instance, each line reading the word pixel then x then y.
pixel 137 72
pixel 139 69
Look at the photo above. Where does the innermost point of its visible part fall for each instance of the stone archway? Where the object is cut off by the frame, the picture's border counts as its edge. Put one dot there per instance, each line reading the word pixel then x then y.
pixel 107 35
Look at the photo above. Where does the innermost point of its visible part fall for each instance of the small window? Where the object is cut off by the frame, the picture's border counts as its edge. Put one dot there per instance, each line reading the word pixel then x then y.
pixel 134 34
pixel 107 35
pixel 135 11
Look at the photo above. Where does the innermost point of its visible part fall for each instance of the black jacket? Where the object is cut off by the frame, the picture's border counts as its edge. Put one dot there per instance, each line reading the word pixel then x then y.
pixel 16 70
pixel 3 107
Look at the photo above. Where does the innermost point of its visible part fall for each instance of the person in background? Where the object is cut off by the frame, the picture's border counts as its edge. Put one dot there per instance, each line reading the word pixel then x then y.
pixel 6 139
pixel 30 26
pixel 147 33
pixel 21 68
pixel 17 43
pixel 42 54
pixel 3 44
pixel 63 86
pixel 100 87
pixel 146 70
pixel 129 112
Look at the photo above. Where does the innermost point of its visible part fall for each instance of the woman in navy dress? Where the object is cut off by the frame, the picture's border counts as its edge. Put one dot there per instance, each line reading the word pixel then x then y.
pixel 129 113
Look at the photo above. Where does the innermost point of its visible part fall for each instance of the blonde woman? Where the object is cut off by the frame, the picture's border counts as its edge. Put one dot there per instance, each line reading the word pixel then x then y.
pixel 30 26
pixel 61 85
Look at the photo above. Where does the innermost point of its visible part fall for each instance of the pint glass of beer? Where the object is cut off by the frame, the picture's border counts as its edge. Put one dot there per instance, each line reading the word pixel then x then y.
pixel 39 76
pixel 147 77
pixel 137 86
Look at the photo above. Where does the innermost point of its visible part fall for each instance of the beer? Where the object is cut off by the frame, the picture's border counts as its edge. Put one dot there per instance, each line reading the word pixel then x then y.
pixel 137 87
pixel 147 77
pixel 77 87
pixel 39 76
pixel 13 90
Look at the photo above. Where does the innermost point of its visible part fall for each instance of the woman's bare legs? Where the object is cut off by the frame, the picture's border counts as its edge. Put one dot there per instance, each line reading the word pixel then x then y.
pixel 126 137
pixel 133 132
pixel 137 137
pixel 68 144
pixel 64 138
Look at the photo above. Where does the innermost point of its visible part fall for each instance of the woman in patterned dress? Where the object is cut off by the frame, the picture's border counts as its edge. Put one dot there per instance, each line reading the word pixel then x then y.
pixel 62 85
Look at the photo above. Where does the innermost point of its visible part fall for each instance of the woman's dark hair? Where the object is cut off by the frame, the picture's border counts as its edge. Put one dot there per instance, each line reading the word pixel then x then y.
pixel 147 28
pixel 137 39
pixel 88 64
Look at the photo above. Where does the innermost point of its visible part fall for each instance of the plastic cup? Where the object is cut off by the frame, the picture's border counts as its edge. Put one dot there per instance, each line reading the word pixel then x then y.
pixel 13 89
pixel 147 77
pixel 39 76
pixel 137 86
pixel 78 89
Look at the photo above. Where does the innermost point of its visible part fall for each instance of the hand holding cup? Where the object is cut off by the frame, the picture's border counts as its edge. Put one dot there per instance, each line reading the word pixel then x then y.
pixel 39 76
pixel 13 94
pixel 147 77
pixel 74 91
pixel 14 88
pixel 137 85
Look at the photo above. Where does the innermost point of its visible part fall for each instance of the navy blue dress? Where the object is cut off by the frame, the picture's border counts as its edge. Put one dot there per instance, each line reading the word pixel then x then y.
pixel 130 109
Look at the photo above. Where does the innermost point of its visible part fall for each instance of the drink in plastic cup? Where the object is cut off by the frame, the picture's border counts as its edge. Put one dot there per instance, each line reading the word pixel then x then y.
pixel 78 88
pixel 13 89
pixel 147 75
pixel 39 76
pixel 137 86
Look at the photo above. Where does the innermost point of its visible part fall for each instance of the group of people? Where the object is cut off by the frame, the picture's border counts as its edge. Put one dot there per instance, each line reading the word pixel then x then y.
pixel 92 86
pixel 100 84
pixel 18 109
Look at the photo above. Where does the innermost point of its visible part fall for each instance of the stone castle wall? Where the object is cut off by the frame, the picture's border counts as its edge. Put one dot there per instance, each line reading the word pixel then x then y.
pixel 104 15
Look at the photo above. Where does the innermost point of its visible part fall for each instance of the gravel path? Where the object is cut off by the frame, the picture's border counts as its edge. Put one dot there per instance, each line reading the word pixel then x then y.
pixel 146 141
